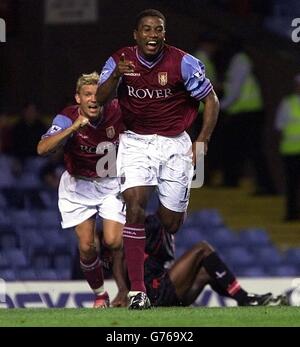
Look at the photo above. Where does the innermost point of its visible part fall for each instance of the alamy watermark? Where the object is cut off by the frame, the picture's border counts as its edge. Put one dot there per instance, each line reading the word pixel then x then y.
pixel 2 30
pixel 172 166
pixel 296 32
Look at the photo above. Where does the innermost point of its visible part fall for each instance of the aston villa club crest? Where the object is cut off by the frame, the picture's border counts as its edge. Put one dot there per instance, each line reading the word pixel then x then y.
pixel 110 132
pixel 163 78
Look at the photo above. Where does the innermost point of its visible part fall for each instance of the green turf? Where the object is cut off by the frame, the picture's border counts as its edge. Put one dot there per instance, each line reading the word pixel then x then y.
pixel 156 317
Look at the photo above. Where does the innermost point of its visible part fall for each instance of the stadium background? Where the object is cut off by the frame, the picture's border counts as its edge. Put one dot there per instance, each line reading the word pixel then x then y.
pixel 41 61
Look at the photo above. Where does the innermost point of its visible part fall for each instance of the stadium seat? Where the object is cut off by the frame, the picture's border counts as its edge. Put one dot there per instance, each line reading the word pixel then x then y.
pixel 49 219
pixel 254 237
pixel 27 274
pixel 239 257
pixel 64 274
pixel 62 261
pixel 8 275
pixel 33 242
pixel 55 241
pixel 28 180
pixel 252 271
pixel 283 271
pixel 188 237
pixel 267 256
pixel 292 256
pixel 4 219
pixel 3 202
pixel 24 218
pixel 6 177
pixel 34 164
pixel 206 218
pixel 16 258
pixel 8 240
pixel 4 264
pixel 46 275
pixel 223 238
pixel 41 261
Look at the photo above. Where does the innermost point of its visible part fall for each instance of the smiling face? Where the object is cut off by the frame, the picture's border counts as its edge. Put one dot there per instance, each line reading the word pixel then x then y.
pixel 150 36
pixel 86 98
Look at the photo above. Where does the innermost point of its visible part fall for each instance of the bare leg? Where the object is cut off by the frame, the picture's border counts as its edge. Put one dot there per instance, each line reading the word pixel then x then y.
pixel 188 275
pixel 112 233
pixel 171 220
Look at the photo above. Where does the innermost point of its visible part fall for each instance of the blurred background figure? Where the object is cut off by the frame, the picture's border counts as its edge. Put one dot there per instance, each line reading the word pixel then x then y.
pixel 208 47
pixel 243 108
pixel 27 132
pixel 5 133
pixel 287 122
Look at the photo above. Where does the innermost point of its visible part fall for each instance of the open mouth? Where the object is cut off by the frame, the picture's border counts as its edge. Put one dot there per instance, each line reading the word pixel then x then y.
pixel 151 45
pixel 93 108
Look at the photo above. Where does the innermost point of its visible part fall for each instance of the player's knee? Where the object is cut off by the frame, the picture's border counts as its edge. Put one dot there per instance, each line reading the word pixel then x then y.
pixel 172 226
pixel 87 250
pixel 113 241
pixel 205 248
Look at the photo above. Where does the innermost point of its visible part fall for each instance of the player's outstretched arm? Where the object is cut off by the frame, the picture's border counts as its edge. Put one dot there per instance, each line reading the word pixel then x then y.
pixel 50 144
pixel 108 88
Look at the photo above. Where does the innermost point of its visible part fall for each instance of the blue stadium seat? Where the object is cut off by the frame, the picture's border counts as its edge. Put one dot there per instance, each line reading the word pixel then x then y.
pixel 55 240
pixel 49 219
pixel 253 271
pixel 34 164
pixel 64 274
pixel 283 271
pixel 62 261
pixel 28 180
pixel 3 202
pixel 16 258
pixel 292 256
pixel 254 237
pixel 239 257
pixel 46 275
pixel 33 242
pixel 24 218
pixel 6 177
pixel 267 256
pixel 27 274
pixel 8 275
pixel 206 218
pixel 40 261
pixel 4 264
pixel 4 219
pixel 49 199
pixel 223 238
pixel 8 240
pixel 188 237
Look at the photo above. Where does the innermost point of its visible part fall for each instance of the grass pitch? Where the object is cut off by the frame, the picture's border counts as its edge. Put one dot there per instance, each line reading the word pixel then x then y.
pixel 156 317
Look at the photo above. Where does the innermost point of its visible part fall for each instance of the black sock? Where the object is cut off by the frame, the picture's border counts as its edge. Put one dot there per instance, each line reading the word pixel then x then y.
pixel 223 278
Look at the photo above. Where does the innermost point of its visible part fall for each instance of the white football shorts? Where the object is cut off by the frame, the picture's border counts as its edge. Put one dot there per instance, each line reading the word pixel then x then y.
pixel 154 160
pixel 79 199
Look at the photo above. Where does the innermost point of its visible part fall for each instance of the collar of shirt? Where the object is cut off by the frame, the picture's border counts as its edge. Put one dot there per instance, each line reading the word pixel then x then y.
pixel 147 63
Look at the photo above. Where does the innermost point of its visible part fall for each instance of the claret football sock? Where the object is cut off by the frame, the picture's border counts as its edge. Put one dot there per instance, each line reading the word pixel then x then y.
pixel 223 277
pixel 93 273
pixel 134 246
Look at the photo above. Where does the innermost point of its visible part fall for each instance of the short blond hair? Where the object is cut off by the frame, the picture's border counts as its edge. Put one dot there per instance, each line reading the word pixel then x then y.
pixel 87 79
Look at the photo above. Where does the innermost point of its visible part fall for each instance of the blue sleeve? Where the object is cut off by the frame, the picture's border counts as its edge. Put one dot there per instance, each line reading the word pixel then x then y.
pixel 193 74
pixel 59 123
pixel 108 68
